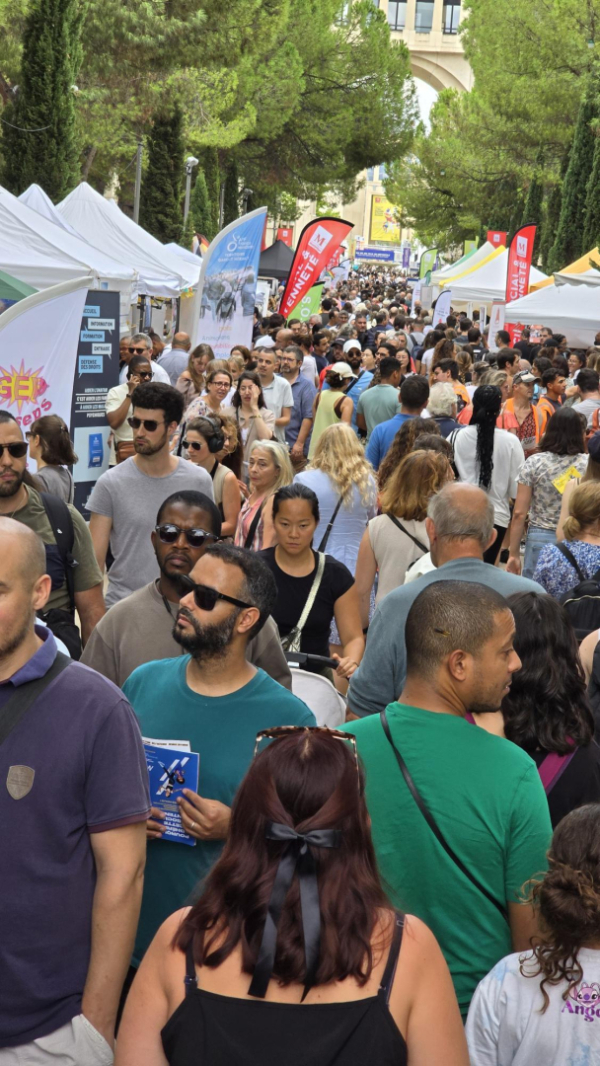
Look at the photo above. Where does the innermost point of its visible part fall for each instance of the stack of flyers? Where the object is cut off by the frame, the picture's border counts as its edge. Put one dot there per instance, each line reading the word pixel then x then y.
pixel 171 768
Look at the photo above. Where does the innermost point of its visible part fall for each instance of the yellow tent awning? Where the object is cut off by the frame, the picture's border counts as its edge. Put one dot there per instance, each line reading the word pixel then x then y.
pixel 578 267
pixel 447 282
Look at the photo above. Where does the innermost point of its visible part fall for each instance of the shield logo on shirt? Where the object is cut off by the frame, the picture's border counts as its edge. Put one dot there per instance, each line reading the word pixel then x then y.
pixel 19 781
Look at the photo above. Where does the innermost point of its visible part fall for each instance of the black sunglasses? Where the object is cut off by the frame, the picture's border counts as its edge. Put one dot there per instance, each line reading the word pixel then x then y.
pixel 192 444
pixel 138 351
pixel 147 423
pixel 141 374
pixel 17 450
pixel 169 533
pixel 204 597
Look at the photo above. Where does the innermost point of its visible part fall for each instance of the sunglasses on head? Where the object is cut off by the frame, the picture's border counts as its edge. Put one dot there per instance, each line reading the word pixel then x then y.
pixel 192 444
pixel 148 423
pixel 281 731
pixel 169 533
pixel 17 450
pixel 138 351
pixel 204 597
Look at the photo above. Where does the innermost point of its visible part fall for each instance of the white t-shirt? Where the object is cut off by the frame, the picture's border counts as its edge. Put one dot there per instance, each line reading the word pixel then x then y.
pixel 505 1026
pixel 278 395
pixel 508 461
pixel 309 368
pixel 158 373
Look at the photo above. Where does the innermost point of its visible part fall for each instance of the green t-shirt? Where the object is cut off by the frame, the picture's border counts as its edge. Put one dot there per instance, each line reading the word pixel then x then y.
pixel 222 730
pixel 486 796
pixel 377 405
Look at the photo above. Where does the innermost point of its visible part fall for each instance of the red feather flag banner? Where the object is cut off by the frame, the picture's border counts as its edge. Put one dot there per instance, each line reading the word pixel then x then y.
pixel 519 263
pixel 318 242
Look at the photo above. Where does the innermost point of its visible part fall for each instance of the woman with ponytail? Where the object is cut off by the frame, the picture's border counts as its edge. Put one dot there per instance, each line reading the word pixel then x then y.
pixel 489 457
pixel 544 1007
pixel 52 448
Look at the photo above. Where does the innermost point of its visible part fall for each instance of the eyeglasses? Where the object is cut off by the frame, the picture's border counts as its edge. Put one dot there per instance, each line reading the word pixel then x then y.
pixel 138 351
pixel 17 450
pixel 169 533
pixel 148 423
pixel 280 731
pixel 206 598
pixel 192 444
pixel 145 374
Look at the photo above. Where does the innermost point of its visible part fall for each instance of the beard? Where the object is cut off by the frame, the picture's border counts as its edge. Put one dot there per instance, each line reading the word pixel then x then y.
pixel 206 642
pixel 12 487
pixel 12 640
pixel 144 447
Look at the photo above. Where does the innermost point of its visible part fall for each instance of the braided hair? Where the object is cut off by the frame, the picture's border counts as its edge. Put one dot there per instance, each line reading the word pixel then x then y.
pixel 487 401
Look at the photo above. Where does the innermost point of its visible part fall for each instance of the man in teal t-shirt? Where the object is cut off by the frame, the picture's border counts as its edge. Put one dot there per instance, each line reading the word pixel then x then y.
pixel 217 701
pixel 484 793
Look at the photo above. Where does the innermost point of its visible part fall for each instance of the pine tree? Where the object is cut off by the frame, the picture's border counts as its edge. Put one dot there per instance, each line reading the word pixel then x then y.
pixel 45 102
pixel 591 232
pixel 160 197
pixel 532 213
pixel 210 166
pixel 231 202
pixel 200 210
pixel 569 243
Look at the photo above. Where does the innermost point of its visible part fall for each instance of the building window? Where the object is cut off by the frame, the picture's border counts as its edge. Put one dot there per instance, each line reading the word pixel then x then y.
pixel 451 16
pixel 397 15
pixel 424 16
pixel 371 174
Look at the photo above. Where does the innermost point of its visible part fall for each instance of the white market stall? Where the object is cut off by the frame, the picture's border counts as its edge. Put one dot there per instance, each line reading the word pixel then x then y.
pixel 42 254
pixel 570 306
pixel 161 272
pixel 464 265
pixel 38 200
pixel 487 282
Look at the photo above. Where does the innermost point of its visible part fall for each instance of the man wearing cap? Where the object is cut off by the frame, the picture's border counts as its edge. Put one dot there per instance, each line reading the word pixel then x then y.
pixel 520 415
pixel 353 356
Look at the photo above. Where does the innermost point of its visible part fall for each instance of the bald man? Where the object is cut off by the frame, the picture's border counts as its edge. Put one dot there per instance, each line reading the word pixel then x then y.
pixel 175 359
pixel 73 816
pixel 460 527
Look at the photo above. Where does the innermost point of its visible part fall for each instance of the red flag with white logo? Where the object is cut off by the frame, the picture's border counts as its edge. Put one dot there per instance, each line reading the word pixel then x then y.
pixel 519 263
pixel 318 241
pixel 497 237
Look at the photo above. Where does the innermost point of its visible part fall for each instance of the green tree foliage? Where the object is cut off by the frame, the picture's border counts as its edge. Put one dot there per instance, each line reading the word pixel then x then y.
pixel 209 160
pixel 533 213
pixel 568 243
pixel 231 201
pixel 40 142
pixel 591 231
pixel 200 210
pixel 160 198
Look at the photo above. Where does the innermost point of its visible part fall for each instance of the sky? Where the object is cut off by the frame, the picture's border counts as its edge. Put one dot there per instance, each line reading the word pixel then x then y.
pixel 426 97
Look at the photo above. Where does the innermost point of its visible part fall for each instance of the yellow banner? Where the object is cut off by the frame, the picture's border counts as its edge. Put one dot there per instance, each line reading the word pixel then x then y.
pixel 384 220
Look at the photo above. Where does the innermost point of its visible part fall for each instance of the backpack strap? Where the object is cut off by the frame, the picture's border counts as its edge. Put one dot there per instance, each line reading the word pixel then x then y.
pixel 253 527
pixel 24 696
pixel 568 554
pixel 596 420
pixel 61 522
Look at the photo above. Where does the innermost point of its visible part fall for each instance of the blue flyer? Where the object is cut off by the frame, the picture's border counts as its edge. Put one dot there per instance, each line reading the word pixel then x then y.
pixel 171 770
pixel 96 450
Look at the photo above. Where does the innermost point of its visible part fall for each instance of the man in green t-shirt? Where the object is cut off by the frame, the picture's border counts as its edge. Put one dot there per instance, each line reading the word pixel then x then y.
pixel 484 792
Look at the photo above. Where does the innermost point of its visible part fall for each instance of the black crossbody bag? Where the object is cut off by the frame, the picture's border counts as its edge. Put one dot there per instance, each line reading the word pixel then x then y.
pixel 431 822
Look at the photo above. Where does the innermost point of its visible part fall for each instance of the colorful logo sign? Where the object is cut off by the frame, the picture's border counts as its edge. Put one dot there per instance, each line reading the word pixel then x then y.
pixel 22 387
pixel 318 241
pixel 385 221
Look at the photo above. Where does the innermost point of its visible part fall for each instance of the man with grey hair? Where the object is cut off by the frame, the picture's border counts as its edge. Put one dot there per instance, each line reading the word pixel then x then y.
pixel 141 344
pixel 442 407
pixel 459 817
pixel 460 526
pixel 174 359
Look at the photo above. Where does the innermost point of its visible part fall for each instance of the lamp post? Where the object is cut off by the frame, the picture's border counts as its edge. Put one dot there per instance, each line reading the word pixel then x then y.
pixel 246 194
pixel 190 163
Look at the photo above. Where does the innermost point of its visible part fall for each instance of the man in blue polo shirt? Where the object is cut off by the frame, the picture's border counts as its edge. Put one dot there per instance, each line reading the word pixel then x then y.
pixel 72 814
pixel 298 429
pixel 414 394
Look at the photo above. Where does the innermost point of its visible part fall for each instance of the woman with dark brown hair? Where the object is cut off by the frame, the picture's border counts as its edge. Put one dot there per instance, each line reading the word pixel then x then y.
pixel 403 444
pixel 52 448
pixel 293 954
pixel 537 1008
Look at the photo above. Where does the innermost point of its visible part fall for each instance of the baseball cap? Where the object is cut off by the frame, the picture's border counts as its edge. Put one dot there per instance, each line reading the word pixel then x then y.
pixel 349 345
pixel 525 377
pixel 342 370
pixel 264 342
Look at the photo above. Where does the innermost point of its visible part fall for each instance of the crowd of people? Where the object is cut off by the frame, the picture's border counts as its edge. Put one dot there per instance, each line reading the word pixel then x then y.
pixel 355 569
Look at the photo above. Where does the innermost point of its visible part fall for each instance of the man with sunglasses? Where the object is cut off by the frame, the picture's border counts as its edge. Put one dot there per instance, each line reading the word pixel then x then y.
pixel 118 408
pixel 218 701
pixel 139 629
pixel 125 499
pixel 141 344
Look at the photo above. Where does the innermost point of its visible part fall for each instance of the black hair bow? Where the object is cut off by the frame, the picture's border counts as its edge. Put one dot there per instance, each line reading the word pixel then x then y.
pixel 297 857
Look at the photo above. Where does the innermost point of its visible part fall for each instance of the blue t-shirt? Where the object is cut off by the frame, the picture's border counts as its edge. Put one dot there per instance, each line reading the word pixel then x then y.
pixel 222 729
pixel 382 438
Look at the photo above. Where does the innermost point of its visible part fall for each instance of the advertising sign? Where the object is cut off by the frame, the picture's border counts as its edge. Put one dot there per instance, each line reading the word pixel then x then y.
pixel 309 304
pixel 427 261
pixel 285 234
pixel 318 241
pixel 497 237
pixel 497 319
pixel 228 284
pixel 385 224
pixel 519 263
pixel 470 246
pixel 379 255
pixel 406 257
pixel 442 307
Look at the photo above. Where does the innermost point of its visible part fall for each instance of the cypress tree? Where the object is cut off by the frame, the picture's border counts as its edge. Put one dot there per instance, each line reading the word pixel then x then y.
pixel 532 213
pixel 200 210
pixel 231 203
pixel 160 197
pixel 591 232
pixel 569 243
pixel 45 102
pixel 210 166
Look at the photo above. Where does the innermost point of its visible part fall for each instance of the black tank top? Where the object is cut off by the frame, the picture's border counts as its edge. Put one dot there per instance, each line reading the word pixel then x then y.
pixel 214 1030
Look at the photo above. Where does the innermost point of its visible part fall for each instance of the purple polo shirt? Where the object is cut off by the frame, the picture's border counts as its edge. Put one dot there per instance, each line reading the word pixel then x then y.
pixel 82 742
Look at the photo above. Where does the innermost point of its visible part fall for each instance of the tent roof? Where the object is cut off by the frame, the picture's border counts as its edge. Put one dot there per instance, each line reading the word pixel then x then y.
pixel 184 253
pixel 581 267
pixel 41 254
pixel 35 198
pixel 275 261
pixel 466 262
pixel 103 224
pixel 572 307
pixel 488 281
pixel 13 289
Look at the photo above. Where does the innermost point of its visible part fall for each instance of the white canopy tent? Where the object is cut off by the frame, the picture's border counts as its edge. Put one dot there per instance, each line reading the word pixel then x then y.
pixel 42 254
pixel 184 253
pixel 570 306
pixel 466 262
pixel 487 283
pixel 38 200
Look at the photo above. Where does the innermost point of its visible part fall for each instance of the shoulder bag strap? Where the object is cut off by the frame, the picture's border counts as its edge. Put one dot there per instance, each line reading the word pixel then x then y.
pixel 568 554
pixel 431 822
pixel 253 527
pixel 24 696
pixel 61 523
pixel 325 537
pixel 397 523
pixel 308 606
pixel 552 768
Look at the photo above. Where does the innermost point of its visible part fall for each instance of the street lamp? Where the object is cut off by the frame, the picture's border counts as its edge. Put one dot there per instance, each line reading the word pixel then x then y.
pixel 190 163
pixel 246 194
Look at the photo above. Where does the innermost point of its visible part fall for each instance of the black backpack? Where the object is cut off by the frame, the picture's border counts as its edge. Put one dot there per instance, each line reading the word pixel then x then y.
pixel 582 602
pixel 62 622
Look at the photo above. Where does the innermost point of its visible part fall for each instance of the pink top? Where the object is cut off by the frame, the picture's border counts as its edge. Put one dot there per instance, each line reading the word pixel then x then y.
pixel 245 519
